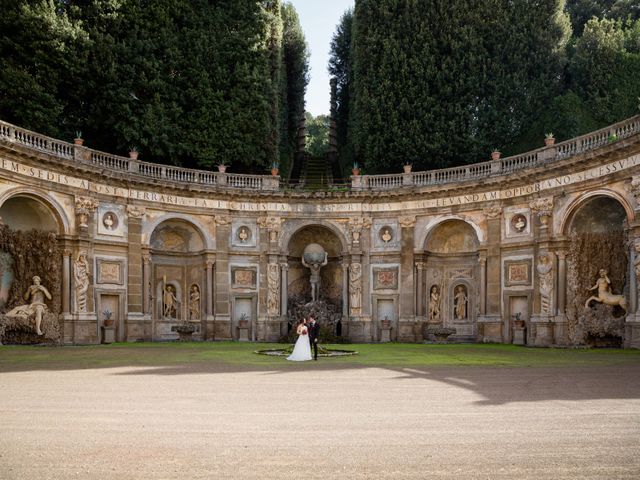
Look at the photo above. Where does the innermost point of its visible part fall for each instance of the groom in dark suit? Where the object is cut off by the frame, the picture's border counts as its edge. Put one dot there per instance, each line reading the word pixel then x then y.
pixel 314 334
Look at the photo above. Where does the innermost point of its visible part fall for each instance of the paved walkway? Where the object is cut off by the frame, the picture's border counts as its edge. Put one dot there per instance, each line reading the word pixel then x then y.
pixel 312 422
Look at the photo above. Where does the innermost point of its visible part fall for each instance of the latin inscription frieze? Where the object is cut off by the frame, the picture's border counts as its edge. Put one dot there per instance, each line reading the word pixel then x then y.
pixel 317 207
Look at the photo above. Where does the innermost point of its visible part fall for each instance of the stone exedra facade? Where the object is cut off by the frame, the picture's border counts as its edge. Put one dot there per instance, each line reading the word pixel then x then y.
pixel 502 251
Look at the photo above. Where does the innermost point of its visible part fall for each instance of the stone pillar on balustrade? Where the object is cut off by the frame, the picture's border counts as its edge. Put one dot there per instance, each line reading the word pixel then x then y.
pixel 542 324
pixel 490 324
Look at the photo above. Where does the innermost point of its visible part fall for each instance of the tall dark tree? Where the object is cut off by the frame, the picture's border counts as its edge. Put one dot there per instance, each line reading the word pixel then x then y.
pixel 581 11
pixel 341 70
pixel 439 83
pixel 295 78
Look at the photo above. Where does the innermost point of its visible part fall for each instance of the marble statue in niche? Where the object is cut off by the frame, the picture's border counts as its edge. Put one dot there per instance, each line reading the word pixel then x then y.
pixel 36 294
pixel 386 235
pixel 81 275
pixel 194 303
pixel 434 304
pixel 460 302
pixel 169 302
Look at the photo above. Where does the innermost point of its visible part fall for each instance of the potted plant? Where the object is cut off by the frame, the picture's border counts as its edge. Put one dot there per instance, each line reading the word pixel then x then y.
pixel 185 331
pixel 356 169
pixel 108 321
pixel 243 322
pixel 274 169
pixel 517 321
pixel 441 333
pixel 78 140
pixel 549 139
pixel 612 138
pixel 407 167
pixel 386 323
pixel 133 153
pixel 222 168
pixel 495 154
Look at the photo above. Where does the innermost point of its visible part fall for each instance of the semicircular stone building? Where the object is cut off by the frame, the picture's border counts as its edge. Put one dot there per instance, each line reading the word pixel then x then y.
pixel 501 251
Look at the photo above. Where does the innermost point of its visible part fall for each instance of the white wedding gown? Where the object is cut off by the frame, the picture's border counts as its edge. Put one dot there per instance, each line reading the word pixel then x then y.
pixel 302 348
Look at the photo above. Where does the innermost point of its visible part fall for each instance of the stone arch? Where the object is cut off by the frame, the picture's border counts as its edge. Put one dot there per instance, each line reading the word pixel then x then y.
pixel 286 239
pixel 463 236
pixel 434 223
pixel 575 206
pixel 39 204
pixel 149 228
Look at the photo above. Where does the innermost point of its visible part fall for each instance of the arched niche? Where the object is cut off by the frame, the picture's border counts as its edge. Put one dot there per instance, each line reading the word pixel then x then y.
pixel 331 275
pixel 26 212
pixel 451 251
pixel 178 261
pixel 597 239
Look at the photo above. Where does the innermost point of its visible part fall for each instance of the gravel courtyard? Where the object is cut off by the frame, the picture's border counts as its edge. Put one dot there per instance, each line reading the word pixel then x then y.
pixel 320 420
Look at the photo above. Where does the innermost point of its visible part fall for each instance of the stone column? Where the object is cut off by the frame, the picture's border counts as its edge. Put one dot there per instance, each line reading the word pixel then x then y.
pixel 284 289
pixel 146 279
pixel 134 260
pixel 541 328
pixel 482 260
pixel 66 281
pixel 562 281
pixel 209 294
pixel 345 290
pixel 490 323
pixel 406 322
pixel 420 289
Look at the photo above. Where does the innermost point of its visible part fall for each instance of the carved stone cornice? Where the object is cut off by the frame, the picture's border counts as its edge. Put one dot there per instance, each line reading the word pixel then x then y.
pixel 136 211
pixel 543 207
pixel 492 211
pixel 407 221
pixel 222 220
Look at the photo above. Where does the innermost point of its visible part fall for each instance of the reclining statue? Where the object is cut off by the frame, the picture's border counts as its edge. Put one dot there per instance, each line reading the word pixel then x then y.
pixel 37 293
pixel 603 284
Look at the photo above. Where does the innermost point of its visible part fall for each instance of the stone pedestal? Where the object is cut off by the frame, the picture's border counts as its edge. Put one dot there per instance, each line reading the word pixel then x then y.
pixel 491 328
pixel 543 330
pixel 385 331
pixel 632 332
pixel 108 334
pixel 519 336
pixel 243 332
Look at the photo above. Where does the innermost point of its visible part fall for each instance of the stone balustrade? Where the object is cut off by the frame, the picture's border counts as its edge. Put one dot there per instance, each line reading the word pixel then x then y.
pixel 146 170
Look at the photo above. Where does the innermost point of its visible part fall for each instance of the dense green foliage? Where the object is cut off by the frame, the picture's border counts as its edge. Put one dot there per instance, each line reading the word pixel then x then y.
pixel 440 83
pixel 317 144
pixel 187 82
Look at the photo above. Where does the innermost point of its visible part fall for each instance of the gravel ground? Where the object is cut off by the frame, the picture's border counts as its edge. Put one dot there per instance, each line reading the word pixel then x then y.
pixel 315 421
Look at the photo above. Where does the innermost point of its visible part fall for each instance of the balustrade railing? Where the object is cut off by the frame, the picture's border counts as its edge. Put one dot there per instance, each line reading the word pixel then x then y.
pixel 508 165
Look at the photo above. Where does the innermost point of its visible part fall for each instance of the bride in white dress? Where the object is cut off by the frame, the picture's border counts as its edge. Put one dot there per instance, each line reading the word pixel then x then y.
pixel 302 348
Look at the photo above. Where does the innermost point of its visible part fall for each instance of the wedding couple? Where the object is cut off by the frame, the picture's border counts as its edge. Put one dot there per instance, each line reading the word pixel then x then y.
pixel 308 332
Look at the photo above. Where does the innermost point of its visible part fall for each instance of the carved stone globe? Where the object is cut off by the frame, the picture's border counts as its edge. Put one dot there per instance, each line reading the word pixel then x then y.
pixel 313 253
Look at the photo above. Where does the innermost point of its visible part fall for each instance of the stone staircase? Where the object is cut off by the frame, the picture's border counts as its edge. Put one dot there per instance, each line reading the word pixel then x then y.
pixel 317 173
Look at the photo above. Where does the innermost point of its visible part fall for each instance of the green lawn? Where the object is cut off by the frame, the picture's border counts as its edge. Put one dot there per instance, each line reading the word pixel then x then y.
pixel 242 354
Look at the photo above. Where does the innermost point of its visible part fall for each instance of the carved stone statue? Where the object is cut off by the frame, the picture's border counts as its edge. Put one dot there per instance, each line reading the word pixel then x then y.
pixel 434 304
pixel 169 302
pixel 460 302
pixel 194 303
pixel 37 294
pixel 545 276
pixel 81 275
pixel 355 288
pixel 273 285
pixel 314 258
pixel 603 284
